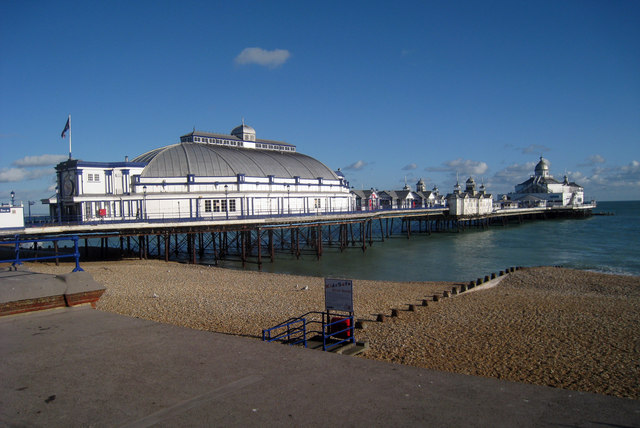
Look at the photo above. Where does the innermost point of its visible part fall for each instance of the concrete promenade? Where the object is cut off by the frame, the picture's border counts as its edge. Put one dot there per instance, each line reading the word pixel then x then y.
pixel 80 367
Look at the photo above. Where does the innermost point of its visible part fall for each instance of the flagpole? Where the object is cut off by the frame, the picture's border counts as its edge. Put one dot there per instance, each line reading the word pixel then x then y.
pixel 69 137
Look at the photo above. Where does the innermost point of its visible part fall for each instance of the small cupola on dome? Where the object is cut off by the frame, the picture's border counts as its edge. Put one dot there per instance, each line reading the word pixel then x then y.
pixel 244 132
pixel 470 185
pixel 542 168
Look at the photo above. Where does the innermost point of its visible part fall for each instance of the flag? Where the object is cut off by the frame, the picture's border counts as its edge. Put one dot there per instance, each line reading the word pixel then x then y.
pixel 66 128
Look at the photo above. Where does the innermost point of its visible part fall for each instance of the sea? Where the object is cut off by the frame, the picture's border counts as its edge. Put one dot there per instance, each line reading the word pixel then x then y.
pixel 600 243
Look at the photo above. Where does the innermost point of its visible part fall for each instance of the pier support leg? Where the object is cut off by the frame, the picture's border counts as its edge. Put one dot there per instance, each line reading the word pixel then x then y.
pixel 243 254
pixel 215 250
pixel 319 241
pixel 271 250
pixel 192 241
pixel 259 249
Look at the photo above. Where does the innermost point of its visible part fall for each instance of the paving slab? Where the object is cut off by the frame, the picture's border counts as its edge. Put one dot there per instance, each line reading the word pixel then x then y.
pixel 80 366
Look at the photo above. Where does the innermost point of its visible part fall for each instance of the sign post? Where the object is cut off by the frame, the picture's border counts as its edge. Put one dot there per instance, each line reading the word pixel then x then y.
pixel 338 295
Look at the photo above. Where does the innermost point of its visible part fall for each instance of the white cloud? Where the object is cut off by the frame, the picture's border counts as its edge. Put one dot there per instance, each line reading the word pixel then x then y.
pixel 10 175
pixel 535 148
pixel 462 166
pixel 593 161
pixel 358 165
pixel 270 59
pixel 409 167
pixel 41 160
pixel 515 172
pixel 626 175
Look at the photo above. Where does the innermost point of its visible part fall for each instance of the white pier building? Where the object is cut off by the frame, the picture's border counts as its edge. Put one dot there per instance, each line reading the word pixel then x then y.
pixel 204 176
pixel 471 202
pixel 541 190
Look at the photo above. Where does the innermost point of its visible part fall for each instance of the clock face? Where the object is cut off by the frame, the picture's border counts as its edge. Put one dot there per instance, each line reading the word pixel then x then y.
pixel 68 186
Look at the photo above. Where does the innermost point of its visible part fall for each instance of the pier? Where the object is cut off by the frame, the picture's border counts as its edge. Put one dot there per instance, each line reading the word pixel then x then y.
pixel 260 239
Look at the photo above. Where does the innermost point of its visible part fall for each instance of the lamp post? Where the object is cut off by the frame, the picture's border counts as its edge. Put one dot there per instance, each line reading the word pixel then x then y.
pixel 30 203
pixel 144 201
pixel 288 199
pixel 13 197
pixel 226 200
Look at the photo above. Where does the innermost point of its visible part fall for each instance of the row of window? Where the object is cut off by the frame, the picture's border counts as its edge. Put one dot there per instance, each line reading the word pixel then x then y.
pixel 219 205
pixel 224 142
pixel 275 147
pixel 104 211
pixel 217 141
pixel 93 178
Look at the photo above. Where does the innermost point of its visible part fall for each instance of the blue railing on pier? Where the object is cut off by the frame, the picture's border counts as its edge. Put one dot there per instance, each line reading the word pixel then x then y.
pixel 72 220
pixel 18 259
pixel 334 329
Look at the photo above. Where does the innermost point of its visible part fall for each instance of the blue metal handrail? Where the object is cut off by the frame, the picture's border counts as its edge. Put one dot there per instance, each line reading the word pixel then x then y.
pixel 327 333
pixel 330 338
pixel 288 335
pixel 17 260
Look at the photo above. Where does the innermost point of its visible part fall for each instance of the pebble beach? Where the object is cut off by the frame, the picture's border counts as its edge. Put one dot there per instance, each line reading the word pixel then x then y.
pixel 551 326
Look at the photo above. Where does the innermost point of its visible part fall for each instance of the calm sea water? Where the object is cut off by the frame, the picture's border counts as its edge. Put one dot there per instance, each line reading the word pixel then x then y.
pixel 609 244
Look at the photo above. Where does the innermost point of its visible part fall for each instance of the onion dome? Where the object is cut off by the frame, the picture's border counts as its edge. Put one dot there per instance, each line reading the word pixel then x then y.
pixel 542 168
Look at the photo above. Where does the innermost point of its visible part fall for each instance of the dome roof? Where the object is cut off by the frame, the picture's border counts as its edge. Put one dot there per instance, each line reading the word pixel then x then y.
pixel 542 166
pixel 210 160
pixel 239 131
pixel 470 180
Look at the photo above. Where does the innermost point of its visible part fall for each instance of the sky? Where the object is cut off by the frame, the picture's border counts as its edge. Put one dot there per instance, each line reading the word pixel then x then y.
pixel 388 93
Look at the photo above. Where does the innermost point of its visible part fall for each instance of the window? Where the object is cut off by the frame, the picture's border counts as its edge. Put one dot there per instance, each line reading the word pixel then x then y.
pixel 207 206
pixel 87 210
pixel 216 206
pixel 223 205
pixel 316 203
pixel 232 205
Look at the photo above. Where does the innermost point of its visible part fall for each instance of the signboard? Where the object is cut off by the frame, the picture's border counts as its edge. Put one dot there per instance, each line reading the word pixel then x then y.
pixel 338 294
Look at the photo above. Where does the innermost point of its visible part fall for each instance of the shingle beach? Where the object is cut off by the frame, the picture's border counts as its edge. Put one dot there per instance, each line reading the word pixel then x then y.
pixel 550 326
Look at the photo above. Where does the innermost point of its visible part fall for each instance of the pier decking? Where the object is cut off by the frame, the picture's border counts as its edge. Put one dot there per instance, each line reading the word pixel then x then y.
pixel 252 239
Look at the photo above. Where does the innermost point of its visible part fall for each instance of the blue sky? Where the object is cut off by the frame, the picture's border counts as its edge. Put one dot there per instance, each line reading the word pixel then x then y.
pixel 384 92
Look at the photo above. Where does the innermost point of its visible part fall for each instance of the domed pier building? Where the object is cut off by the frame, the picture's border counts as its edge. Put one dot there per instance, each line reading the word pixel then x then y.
pixel 204 176
pixel 541 189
